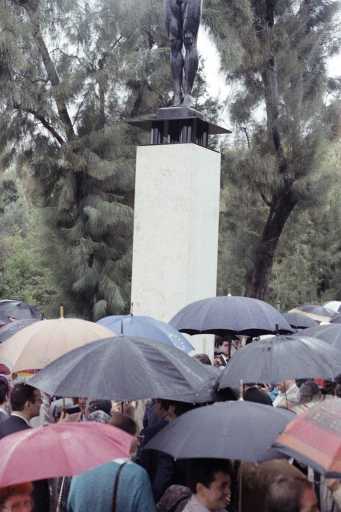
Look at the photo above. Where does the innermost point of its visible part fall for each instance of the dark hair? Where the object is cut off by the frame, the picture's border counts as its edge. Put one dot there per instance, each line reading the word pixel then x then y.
pixel 100 405
pixel 14 490
pixel 308 391
pixel 338 390
pixel 4 389
pixel 203 471
pixel 124 422
pixel 179 407
pixel 284 494
pixel 203 358
pixel 20 394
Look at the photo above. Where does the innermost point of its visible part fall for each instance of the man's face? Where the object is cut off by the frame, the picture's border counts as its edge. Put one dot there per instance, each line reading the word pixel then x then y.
pixel 284 385
pixel 308 501
pixel 34 407
pixel 218 495
pixel 18 503
pixel 225 348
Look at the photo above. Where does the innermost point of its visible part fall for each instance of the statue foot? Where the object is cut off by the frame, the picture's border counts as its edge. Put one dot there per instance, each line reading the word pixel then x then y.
pixel 178 99
pixel 188 100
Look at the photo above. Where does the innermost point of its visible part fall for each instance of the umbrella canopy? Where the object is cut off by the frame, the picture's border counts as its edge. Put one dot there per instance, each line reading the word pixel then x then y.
pixel 314 438
pixel 300 321
pixel 336 320
pixel 314 311
pixel 59 450
pixel 127 368
pixel 18 310
pixel 37 345
pixel 279 358
pixel 147 327
pixel 333 305
pixel 230 315
pixel 331 333
pixel 229 430
pixel 12 327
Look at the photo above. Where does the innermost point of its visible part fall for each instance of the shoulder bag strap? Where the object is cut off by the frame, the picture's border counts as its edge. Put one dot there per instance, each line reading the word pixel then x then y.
pixel 114 498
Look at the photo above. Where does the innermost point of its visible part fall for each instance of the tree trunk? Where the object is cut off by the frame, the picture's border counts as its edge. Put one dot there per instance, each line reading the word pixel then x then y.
pixel 258 279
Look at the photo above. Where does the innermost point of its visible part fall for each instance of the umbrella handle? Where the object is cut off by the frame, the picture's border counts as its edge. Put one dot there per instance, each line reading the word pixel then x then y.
pixel 60 495
pixel 241 390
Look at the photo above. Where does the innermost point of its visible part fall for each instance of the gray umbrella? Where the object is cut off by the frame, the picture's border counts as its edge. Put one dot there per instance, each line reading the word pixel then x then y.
pixel 230 430
pixel 300 321
pixel 278 358
pixel 230 315
pixel 11 328
pixel 18 310
pixel 127 368
pixel 331 333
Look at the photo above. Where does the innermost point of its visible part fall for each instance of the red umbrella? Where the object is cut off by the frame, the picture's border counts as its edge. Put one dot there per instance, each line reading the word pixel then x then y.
pixel 63 449
pixel 314 438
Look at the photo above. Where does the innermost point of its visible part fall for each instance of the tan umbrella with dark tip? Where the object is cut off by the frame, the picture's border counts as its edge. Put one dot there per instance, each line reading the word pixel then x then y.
pixel 37 345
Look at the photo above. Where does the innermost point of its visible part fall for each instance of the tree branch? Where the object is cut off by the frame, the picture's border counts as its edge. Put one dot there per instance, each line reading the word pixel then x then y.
pixel 42 120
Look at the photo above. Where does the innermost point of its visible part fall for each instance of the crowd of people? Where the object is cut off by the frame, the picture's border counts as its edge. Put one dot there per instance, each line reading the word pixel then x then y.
pixel 153 481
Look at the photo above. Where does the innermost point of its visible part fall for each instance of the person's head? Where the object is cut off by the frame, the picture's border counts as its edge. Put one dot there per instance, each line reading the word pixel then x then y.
pixel 100 405
pixel 338 390
pixel 309 391
pixel 171 409
pixel 210 481
pixel 4 389
pixel 16 498
pixel 203 358
pixel 225 347
pixel 81 402
pixel 26 400
pixel 128 425
pixel 291 494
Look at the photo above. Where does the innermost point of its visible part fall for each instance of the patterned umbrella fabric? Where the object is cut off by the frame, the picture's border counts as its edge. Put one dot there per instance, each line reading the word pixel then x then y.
pixel 314 438
pixel 279 358
pixel 62 449
pixel 147 327
pixel 35 346
pixel 230 315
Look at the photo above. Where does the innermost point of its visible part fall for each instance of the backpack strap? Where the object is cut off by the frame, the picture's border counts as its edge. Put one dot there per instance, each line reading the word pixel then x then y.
pixel 114 498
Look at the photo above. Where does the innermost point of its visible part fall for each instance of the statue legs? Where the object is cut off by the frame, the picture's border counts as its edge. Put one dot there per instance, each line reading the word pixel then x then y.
pixel 191 22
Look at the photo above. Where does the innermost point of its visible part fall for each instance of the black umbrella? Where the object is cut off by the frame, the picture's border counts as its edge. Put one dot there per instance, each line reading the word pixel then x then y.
pixel 127 368
pixel 230 430
pixel 17 310
pixel 12 327
pixel 300 321
pixel 279 358
pixel 230 315
pixel 331 333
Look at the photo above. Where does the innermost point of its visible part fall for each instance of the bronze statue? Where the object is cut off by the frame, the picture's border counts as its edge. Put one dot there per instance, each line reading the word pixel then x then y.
pixel 182 23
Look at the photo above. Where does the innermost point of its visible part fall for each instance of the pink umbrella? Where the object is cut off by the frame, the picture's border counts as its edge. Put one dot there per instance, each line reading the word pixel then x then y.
pixel 63 449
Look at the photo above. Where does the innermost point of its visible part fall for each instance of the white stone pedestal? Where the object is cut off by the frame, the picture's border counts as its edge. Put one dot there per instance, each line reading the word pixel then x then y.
pixel 176 223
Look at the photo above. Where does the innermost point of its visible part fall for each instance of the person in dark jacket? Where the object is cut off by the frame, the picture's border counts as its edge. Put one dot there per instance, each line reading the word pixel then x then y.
pixel 25 403
pixel 252 393
pixel 4 393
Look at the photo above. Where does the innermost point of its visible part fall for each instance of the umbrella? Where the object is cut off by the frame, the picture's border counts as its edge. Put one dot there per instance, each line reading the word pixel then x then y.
pixel 62 449
pixel 279 358
pixel 230 315
pixel 316 312
pixel 333 305
pixel 299 321
pixel 127 368
pixel 229 430
pixel 18 310
pixel 147 327
pixel 314 438
pixel 12 327
pixel 38 344
pixel 336 320
pixel 331 333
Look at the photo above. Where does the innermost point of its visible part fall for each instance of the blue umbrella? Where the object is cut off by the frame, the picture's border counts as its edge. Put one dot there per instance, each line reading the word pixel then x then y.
pixel 147 327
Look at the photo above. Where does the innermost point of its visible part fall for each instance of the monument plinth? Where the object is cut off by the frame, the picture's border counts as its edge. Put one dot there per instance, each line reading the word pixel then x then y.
pixel 176 216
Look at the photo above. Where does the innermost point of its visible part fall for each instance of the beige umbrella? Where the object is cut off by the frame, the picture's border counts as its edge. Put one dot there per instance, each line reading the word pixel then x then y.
pixel 41 343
